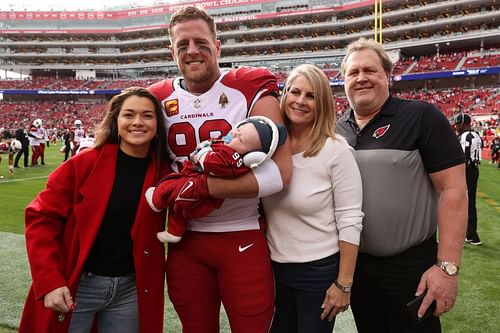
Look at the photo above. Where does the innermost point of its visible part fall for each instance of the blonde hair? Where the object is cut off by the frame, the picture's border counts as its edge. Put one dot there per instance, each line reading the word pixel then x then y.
pixel 323 126
pixel 367 44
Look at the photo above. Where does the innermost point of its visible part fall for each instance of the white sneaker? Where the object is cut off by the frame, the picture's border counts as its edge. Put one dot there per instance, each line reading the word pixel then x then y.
pixel 149 199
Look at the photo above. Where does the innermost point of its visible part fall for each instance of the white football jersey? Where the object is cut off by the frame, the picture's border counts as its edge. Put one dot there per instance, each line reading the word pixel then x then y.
pixel 191 119
pixel 78 134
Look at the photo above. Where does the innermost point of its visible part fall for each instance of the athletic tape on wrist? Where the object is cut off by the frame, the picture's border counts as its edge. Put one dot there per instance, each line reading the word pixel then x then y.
pixel 269 178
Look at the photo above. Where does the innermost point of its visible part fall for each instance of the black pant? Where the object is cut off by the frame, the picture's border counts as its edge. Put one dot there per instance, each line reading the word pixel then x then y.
pixel 383 285
pixel 23 151
pixel 472 175
pixel 67 149
pixel 494 156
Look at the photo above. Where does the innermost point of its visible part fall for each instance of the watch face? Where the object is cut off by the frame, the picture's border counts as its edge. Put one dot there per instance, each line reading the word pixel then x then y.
pixel 345 289
pixel 451 269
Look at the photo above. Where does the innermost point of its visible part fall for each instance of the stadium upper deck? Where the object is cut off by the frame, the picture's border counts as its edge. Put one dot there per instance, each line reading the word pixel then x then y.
pixel 256 32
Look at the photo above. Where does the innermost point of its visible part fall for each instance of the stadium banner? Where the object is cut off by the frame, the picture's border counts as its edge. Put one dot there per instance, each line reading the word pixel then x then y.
pixel 120 14
pixel 435 75
pixel 161 10
pixel 59 92
pixel 447 74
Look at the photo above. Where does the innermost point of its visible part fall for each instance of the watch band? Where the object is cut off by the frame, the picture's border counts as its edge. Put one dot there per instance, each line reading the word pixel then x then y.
pixel 344 289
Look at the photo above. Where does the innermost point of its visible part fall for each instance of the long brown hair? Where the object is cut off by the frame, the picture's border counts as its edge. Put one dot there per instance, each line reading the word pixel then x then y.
pixel 323 125
pixel 107 131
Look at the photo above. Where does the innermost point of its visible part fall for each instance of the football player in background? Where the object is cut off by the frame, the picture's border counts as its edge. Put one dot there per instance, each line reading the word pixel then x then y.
pixel 35 136
pixel 43 141
pixel 9 146
pixel 77 136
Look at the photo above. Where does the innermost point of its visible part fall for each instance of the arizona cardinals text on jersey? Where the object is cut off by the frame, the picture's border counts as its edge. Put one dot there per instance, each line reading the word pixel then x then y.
pixel 197 115
pixel 191 119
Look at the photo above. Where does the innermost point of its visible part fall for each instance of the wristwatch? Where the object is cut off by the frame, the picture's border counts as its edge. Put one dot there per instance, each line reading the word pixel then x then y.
pixel 448 267
pixel 345 289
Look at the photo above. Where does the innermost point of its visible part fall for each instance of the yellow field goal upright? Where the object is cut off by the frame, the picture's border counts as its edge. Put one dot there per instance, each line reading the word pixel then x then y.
pixel 377 18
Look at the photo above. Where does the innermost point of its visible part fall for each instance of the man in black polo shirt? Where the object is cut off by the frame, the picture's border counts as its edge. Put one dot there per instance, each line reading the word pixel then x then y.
pixel 412 168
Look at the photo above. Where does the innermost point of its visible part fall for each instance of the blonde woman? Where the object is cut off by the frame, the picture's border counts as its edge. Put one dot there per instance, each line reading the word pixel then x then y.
pixel 314 226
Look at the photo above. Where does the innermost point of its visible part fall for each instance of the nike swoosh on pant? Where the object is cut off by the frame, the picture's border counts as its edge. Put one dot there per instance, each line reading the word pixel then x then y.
pixel 244 248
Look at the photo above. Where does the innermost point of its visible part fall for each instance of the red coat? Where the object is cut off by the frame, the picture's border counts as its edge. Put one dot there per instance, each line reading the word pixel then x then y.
pixel 61 225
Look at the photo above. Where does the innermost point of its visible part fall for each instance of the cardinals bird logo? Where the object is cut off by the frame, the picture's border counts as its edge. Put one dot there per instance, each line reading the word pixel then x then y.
pixel 379 132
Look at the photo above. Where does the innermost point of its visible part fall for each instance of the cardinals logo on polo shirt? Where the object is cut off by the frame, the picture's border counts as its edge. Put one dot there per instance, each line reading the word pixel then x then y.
pixel 379 132
pixel 171 107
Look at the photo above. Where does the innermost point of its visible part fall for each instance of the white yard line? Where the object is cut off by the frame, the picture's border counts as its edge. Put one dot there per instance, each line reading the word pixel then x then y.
pixel 20 180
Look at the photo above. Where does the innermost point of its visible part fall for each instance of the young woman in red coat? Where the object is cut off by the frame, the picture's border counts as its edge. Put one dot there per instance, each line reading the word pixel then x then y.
pixel 90 235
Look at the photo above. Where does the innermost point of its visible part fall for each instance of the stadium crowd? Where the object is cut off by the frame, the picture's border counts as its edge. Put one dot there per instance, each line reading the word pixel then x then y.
pixel 59 115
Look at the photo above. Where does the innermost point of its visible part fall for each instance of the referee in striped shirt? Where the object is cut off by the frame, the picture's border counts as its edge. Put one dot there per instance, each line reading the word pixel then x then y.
pixel 472 145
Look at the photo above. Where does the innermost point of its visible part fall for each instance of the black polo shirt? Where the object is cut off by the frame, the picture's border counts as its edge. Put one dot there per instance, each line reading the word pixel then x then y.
pixel 396 151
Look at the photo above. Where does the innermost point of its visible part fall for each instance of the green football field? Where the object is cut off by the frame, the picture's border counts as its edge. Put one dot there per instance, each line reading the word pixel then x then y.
pixel 477 308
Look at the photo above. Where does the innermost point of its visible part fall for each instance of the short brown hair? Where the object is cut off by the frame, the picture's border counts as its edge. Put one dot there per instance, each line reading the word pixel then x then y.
pixel 367 44
pixel 189 13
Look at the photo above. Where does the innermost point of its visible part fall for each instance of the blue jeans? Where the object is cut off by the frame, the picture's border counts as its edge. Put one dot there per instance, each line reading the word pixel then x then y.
pixel 300 291
pixel 112 301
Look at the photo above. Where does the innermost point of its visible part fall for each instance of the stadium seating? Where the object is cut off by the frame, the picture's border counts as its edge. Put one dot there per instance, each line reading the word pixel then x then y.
pixel 420 34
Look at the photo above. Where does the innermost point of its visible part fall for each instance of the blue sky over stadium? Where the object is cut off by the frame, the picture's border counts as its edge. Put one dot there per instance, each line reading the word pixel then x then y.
pixel 72 5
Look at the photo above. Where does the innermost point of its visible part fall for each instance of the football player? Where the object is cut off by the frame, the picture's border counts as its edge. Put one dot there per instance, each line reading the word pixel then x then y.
pixel 10 147
pixel 78 135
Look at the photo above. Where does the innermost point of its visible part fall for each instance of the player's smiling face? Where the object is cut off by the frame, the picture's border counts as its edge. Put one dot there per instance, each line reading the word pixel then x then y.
pixel 137 124
pixel 195 50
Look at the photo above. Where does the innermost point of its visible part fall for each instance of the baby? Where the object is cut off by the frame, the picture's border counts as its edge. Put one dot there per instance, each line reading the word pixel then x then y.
pixel 249 144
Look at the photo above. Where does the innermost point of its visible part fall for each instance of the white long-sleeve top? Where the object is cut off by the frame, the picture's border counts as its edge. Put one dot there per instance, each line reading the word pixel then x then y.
pixel 321 206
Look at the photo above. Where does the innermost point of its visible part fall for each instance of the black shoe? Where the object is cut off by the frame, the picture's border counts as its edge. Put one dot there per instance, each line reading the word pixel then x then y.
pixel 16 166
pixel 473 241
